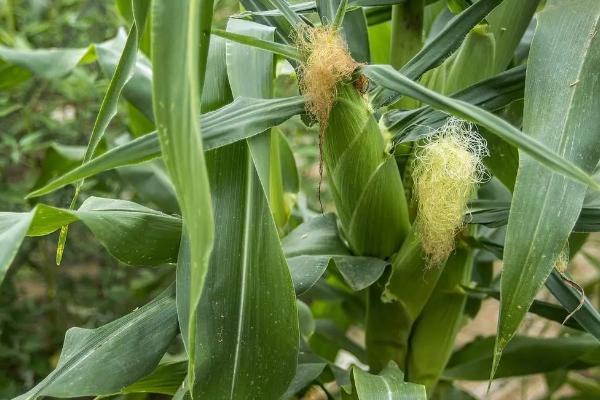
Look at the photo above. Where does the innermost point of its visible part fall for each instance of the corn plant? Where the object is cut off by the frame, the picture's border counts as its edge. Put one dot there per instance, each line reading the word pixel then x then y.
pixel 449 135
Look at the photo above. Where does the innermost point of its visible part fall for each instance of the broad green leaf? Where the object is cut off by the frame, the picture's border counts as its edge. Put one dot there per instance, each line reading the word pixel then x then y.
pixel 152 184
pixel 165 379
pixel 117 224
pixel 389 385
pixel 251 315
pixel 491 94
pixel 523 356
pixel 250 74
pixel 316 243
pixel 407 31
pixel 101 361
pixel 386 76
pixel 437 49
pixel 13 228
pixel 309 368
pixel 108 107
pixel 494 214
pixel 239 120
pixel 180 40
pixel 47 63
pixel 508 23
pixel 560 111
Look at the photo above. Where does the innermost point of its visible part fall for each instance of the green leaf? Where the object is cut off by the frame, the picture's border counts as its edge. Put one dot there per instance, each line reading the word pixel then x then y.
pixel 13 228
pixel 508 23
pixel 239 120
pixel 252 314
pixel 309 368
pixel 493 214
pixel 587 316
pixel 165 379
pixel 437 49
pixel 180 39
pixel 293 19
pixel 117 224
pixel 120 352
pixel 560 104
pixel 108 108
pixel 316 243
pixel 47 63
pixel 491 94
pixel 523 356
pixel 544 309
pixel 283 31
pixel 389 385
pixel 387 77
pixel 250 74
pixel 274 47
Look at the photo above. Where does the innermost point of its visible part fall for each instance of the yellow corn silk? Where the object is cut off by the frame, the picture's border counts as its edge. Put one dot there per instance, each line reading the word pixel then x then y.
pixel 447 169
pixel 364 179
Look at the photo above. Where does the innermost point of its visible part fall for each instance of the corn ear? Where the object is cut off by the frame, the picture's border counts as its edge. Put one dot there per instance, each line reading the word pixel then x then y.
pixel 364 179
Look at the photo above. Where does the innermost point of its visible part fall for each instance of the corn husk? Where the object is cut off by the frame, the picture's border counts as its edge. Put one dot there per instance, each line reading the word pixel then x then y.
pixel 364 179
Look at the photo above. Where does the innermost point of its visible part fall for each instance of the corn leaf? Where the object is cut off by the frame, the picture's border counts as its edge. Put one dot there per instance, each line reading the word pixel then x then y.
pixel 437 49
pixel 508 23
pixel 283 31
pixel 250 73
pixel 108 109
pixel 282 5
pixel 491 94
pixel 239 120
pixel 544 309
pixel 121 352
pixel 570 299
pixel 269 45
pixel 561 111
pixel 180 39
pixel 493 214
pixel 386 76
pixel 316 243
pixel 47 63
pixel 117 224
pixel 523 356
pixel 389 385
pixel 587 316
pixel 165 379
pixel 252 314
